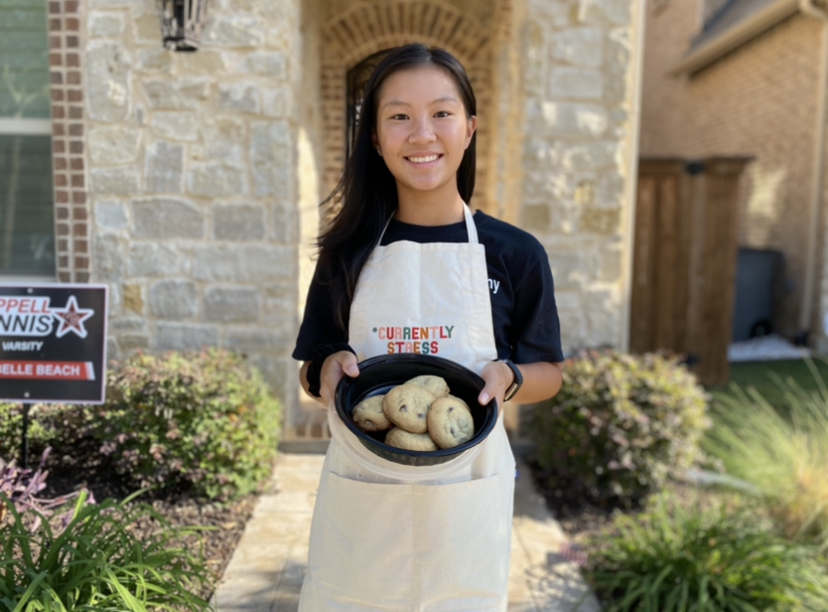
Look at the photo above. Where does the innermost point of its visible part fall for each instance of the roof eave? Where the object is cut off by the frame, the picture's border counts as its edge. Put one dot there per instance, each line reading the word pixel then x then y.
pixel 741 33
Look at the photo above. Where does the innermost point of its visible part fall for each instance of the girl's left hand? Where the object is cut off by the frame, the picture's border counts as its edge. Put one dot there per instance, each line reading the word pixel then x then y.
pixel 497 376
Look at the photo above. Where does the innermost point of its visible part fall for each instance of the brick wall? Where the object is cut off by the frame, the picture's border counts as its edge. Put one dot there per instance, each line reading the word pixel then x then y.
pixel 69 162
pixel 759 100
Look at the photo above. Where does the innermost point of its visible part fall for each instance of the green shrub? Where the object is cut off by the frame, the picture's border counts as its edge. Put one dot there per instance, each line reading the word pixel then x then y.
pixel 96 563
pixel 11 431
pixel 784 456
pixel 721 559
pixel 204 419
pixel 620 425
pixel 55 425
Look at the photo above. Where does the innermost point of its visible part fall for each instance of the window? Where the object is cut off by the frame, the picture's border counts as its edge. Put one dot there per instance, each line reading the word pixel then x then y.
pixel 27 234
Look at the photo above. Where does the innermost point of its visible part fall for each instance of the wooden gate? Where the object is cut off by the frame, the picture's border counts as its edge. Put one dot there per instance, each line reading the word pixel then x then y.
pixel 684 262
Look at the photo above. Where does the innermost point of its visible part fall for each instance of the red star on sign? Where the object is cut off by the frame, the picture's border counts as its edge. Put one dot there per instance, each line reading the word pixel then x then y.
pixel 71 318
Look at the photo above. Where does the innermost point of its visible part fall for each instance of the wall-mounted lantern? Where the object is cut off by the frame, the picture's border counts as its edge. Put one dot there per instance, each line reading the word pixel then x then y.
pixel 181 22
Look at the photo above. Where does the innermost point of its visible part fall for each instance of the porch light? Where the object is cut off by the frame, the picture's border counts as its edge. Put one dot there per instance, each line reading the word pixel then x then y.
pixel 181 22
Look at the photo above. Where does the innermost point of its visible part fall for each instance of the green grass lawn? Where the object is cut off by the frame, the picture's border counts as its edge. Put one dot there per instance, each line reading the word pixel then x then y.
pixel 764 377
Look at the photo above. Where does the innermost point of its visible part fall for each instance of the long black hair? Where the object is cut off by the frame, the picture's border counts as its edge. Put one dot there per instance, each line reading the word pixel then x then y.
pixel 367 191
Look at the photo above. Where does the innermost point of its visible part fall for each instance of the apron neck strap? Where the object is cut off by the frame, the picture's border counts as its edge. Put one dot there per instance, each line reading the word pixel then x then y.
pixel 471 228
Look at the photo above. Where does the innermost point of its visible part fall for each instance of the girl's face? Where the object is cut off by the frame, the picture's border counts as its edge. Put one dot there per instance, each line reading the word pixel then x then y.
pixel 422 130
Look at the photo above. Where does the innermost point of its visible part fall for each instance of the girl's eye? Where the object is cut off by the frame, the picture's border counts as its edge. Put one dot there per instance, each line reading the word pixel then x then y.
pixel 442 114
pixel 400 117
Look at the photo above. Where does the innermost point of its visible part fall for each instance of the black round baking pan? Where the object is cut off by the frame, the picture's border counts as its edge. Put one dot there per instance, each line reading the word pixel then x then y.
pixel 377 375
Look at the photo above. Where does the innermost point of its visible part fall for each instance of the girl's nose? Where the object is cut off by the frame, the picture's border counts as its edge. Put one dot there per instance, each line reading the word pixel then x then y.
pixel 422 132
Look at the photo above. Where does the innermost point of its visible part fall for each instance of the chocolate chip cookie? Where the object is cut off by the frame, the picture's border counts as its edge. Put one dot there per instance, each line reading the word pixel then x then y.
pixel 399 438
pixel 368 415
pixel 406 406
pixel 436 385
pixel 450 422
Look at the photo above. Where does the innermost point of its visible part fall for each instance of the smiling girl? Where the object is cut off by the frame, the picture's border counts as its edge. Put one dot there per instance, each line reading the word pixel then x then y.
pixel 405 252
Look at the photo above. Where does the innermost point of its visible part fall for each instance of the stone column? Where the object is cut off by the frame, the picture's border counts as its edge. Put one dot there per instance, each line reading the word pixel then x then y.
pixel 579 156
pixel 192 180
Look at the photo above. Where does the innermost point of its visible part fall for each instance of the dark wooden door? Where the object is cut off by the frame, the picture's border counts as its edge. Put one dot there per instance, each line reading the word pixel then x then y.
pixel 684 261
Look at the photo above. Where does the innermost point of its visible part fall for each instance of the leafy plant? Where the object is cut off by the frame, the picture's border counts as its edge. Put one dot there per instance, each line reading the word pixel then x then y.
pixel 97 563
pixel 204 419
pixel 783 455
pixel 620 425
pixel 721 559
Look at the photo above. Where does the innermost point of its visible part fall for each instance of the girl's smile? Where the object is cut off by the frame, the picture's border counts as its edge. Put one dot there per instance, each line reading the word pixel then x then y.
pixel 423 158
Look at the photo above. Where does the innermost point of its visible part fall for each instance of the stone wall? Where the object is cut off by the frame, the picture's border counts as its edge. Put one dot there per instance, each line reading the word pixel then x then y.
pixel 580 60
pixel 192 179
pixel 309 419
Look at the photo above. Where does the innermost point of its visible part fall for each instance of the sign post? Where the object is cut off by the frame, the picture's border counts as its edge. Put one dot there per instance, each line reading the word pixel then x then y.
pixel 24 444
pixel 52 346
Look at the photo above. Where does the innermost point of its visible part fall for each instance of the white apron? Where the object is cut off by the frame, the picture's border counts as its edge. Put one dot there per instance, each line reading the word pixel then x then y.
pixel 415 539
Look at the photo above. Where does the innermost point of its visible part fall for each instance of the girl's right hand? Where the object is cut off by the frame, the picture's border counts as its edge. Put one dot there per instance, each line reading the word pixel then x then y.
pixel 335 367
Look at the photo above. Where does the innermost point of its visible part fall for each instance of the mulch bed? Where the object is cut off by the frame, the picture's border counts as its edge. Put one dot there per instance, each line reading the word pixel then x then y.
pixel 581 517
pixel 578 516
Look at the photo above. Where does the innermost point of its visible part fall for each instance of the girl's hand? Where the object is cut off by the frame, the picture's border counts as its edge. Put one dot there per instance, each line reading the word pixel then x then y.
pixel 335 367
pixel 497 376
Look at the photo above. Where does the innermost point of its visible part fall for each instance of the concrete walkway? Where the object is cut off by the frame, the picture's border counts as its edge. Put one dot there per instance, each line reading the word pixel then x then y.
pixel 266 571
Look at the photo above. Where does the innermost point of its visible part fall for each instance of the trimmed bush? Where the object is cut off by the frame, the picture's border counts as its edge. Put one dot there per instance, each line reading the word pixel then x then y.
pixel 620 425
pixel 719 559
pixel 205 420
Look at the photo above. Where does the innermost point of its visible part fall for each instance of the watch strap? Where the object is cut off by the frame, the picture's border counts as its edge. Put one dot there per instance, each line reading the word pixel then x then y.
pixel 516 383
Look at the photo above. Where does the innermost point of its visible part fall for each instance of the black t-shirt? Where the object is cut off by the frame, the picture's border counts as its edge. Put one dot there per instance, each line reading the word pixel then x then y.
pixel 524 314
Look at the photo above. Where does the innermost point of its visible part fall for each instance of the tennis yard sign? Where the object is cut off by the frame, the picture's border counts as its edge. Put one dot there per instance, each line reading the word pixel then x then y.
pixel 53 343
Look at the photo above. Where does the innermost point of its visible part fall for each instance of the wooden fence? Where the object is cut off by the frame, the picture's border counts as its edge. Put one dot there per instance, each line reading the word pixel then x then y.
pixel 684 266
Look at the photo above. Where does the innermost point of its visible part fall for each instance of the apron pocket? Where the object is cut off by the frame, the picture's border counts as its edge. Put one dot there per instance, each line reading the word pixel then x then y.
pixel 413 547
pixel 463 537
pixel 364 537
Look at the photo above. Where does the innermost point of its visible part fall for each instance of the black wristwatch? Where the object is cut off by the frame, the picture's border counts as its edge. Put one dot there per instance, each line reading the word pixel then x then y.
pixel 516 383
